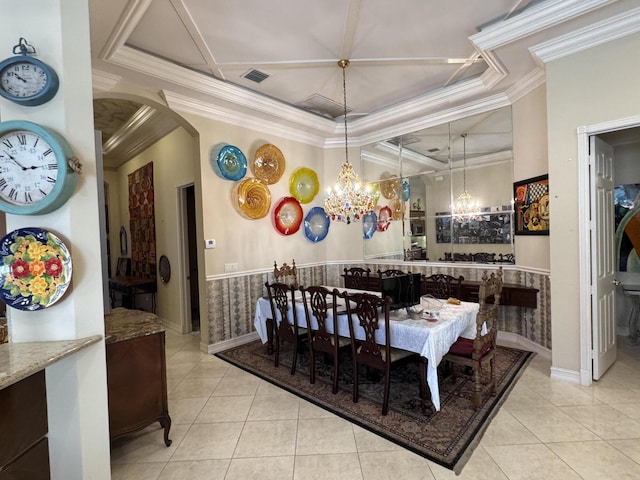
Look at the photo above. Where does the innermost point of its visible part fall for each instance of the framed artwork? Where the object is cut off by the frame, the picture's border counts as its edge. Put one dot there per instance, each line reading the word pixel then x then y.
pixel 531 207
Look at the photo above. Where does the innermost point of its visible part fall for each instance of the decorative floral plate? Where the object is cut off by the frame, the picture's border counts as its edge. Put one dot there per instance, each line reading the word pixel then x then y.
pixel 253 198
pixel 369 224
pixel 287 216
pixel 390 187
pixel 316 224
pixel 228 161
pixel 35 270
pixel 397 207
pixel 304 184
pixel 406 190
pixel 384 219
pixel 268 164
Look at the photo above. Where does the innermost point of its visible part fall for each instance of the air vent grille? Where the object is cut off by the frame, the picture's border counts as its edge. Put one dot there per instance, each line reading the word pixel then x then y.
pixel 255 75
pixel 324 106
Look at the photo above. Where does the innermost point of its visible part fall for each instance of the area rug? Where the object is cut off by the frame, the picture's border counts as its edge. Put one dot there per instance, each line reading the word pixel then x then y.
pixel 447 437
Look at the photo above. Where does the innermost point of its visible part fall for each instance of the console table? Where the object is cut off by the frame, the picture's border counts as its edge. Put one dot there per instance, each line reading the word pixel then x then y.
pixel 136 372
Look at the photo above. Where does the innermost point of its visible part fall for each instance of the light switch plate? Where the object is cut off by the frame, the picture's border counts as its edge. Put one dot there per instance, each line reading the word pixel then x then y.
pixel 210 243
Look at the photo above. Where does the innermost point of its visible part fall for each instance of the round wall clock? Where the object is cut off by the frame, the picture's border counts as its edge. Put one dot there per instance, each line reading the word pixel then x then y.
pixel 37 168
pixel 26 80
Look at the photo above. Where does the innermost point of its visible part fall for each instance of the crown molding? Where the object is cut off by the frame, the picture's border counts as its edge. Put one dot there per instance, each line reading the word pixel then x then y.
pixel 131 15
pixel 129 130
pixel 612 28
pixel 104 81
pixel 532 20
pixel 184 104
pixel 534 79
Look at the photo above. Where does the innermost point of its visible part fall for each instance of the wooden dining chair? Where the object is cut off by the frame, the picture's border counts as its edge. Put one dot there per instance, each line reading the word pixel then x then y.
pixel 391 272
pixel 287 274
pixel 357 277
pixel 321 305
pixel 441 285
pixel 371 313
pixel 282 300
pixel 476 353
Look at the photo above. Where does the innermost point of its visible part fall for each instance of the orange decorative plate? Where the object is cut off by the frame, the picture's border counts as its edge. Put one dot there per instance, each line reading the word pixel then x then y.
pixel 253 198
pixel 268 164
pixel 390 186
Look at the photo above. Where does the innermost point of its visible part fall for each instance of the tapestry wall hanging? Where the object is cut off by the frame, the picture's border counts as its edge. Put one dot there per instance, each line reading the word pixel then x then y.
pixel 532 206
pixel 142 222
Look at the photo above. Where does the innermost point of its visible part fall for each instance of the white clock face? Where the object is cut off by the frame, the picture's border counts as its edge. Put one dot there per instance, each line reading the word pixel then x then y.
pixel 28 167
pixel 23 79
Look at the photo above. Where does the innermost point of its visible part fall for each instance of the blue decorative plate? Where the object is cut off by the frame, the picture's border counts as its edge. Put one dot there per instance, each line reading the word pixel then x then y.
pixel 228 161
pixel 35 270
pixel 406 190
pixel 316 224
pixel 369 224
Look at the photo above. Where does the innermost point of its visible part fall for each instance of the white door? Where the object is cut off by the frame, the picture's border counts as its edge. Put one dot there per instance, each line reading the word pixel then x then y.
pixel 603 268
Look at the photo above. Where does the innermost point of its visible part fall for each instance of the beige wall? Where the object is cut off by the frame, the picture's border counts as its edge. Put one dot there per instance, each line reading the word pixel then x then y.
pixel 594 86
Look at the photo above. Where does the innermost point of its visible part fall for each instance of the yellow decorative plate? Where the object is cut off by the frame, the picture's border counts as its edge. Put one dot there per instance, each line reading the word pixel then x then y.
pixel 374 189
pixel 390 186
pixel 254 198
pixel 397 208
pixel 268 164
pixel 304 184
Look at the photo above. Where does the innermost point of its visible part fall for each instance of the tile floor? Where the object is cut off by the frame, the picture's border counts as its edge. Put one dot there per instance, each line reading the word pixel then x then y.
pixel 229 425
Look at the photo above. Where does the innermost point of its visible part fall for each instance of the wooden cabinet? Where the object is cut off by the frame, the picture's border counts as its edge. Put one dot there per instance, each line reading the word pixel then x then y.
pixel 137 382
pixel 24 451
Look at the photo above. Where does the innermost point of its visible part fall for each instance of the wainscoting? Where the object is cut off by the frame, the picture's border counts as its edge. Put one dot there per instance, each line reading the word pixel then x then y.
pixel 232 299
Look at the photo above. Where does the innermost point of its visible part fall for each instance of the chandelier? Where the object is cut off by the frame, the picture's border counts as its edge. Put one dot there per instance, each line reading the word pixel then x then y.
pixel 347 201
pixel 465 207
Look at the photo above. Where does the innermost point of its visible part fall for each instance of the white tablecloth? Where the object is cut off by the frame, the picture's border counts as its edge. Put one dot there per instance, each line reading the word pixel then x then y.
pixel 431 340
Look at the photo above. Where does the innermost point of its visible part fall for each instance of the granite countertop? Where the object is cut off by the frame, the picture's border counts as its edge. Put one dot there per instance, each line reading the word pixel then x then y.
pixel 124 324
pixel 20 360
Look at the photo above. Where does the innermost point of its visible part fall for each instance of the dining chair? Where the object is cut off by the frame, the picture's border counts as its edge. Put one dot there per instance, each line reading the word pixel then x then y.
pixel 318 303
pixel 357 277
pixel 371 313
pixel 287 274
pixel 392 272
pixel 441 285
pixel 477 352
pixel 282 300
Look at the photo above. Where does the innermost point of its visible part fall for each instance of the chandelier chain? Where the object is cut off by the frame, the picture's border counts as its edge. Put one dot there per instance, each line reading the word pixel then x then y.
pixel 344 64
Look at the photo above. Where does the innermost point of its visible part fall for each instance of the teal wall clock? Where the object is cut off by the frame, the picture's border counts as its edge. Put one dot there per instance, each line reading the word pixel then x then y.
pixel 38 169
pixel 26 80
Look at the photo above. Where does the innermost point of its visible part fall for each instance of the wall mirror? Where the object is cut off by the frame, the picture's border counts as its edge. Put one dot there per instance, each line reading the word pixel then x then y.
pixel 417 177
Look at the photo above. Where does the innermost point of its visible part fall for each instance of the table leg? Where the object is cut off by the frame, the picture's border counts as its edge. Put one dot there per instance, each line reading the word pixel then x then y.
pixel 269 324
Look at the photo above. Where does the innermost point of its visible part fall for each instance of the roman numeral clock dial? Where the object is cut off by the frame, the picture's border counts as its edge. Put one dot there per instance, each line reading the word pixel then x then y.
pixel 37 169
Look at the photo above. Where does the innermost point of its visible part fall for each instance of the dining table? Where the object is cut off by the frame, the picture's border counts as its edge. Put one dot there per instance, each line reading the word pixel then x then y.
pixel 428 336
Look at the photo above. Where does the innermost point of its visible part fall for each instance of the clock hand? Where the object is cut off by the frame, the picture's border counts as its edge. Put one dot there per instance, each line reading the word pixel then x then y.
pixel 19 77
pixel 14 160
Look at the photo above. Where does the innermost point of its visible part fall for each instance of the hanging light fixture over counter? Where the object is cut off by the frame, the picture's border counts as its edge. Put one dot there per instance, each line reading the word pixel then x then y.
pixel 465 207
pixel 348 200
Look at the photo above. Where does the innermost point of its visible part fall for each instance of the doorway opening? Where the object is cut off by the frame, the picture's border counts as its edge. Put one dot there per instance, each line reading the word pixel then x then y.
pixel 190 255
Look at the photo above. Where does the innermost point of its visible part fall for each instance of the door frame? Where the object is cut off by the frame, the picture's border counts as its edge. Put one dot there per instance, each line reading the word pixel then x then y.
pixel 584 235
pixel 183 248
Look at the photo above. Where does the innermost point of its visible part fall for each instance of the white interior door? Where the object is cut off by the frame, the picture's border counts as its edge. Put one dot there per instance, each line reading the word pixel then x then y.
pixel 603 269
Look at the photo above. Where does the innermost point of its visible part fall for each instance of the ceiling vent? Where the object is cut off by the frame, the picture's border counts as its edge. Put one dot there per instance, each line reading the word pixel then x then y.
pixel 406 140
pixel 255 75
pixel 324 106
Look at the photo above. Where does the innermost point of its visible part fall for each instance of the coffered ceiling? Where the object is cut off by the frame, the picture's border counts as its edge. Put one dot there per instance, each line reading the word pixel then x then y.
pixel 272 64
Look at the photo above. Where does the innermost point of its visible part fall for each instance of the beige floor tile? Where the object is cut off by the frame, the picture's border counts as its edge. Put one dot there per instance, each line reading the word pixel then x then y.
pixel 631 410
pixel 208 369
pixel 479 467
pixel 325 435
pixel 551 424
pixel 274 407
pixel 147 445
pixel 187 356
pixel 185 410
pixel 225 409
pixel 136 471
pixel 271 438
pixel 396 465
pixel 195 470
pixel 531 462
pixel 613 392
pixel 339 466
pixel 630 447
pixel 209 441
pixel 268 468
pixel 267 388
pixel 310 410
pixel 506 430
pixel 194 387
pixel 236 385
pixel 605 421
pixel 367 441
pixel 597 460
pixel 565 394
pixel 524 398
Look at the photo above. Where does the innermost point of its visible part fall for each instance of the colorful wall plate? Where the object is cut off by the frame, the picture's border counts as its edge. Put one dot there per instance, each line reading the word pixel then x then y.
pixel 228 161
pixel 316 224
pixel 406 190
pixel 35 270
pixel 253 198
pixel 374 189
pixel 287 216
pixel 304 184
pixel 390 187
pixel 384 219
pixel 397 207
pixel 369 224
pixel 268 164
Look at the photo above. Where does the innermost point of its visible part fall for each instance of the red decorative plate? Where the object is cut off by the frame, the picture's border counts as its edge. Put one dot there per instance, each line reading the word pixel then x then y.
pixel 287 215
pixel 384 219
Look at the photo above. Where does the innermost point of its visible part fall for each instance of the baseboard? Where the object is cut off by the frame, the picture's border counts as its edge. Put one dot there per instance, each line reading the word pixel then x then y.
pixel 519 341
pixel 233 342
pixel 569 376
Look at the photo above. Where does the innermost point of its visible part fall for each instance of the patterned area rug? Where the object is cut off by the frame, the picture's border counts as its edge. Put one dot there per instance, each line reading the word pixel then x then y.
pixel 447 437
